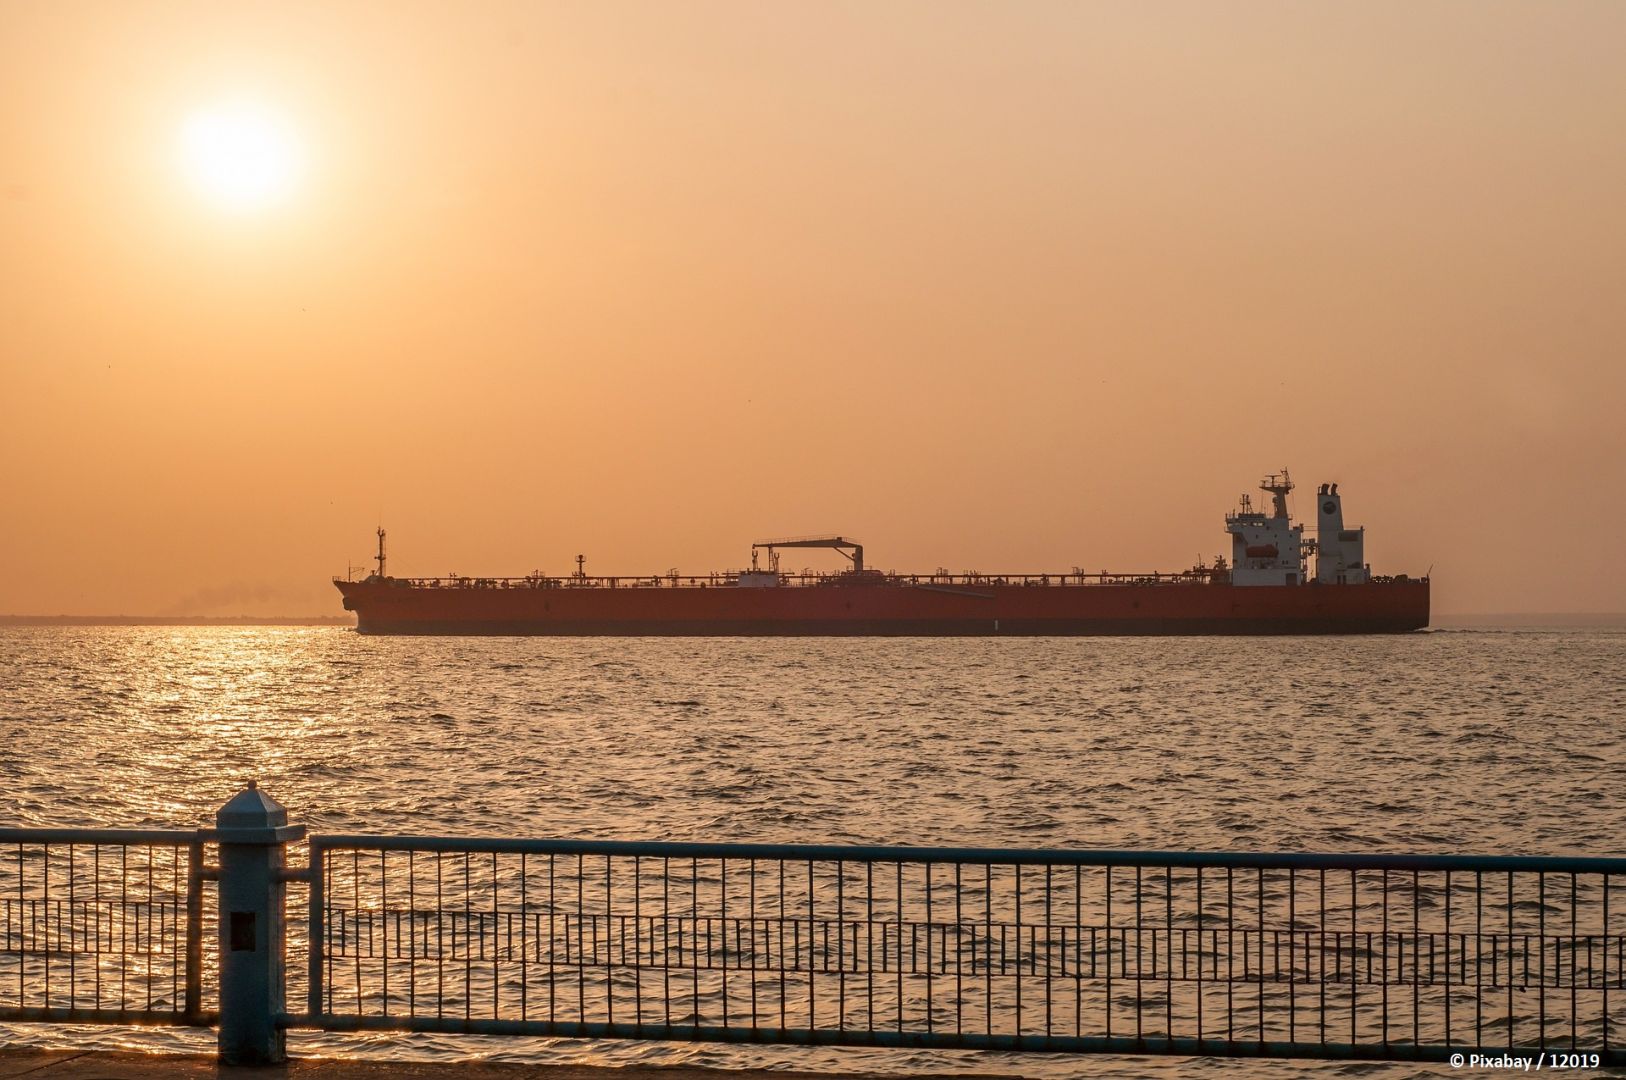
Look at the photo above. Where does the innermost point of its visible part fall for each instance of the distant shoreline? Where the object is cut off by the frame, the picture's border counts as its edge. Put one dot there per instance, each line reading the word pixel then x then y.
pixel 177 620
pixel 1530 618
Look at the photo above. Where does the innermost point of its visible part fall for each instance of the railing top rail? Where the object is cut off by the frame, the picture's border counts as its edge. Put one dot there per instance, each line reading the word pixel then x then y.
pixel 790 579
pixel 996 856
pixel 166 837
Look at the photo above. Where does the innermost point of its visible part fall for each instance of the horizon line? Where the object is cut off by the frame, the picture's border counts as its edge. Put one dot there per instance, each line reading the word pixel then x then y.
pixel 246 619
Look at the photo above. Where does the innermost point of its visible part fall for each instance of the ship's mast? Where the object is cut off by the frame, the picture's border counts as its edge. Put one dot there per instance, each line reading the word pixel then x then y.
pixel 1278 484
pixel 379 558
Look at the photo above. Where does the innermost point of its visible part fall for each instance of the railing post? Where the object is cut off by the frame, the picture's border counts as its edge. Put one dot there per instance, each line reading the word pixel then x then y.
pixel 194 929
pixel 253 830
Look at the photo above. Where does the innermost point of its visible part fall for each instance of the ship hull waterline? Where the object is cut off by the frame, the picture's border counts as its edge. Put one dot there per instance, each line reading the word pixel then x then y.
pixel 1383 607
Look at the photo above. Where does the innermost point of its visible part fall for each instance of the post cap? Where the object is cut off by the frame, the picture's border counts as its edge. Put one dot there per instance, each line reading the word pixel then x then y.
pixel 252 816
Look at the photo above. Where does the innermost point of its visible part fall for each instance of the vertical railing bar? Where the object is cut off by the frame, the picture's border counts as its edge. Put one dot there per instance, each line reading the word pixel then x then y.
pixel 1541 959
pixel 124 921
pixel 1591 964
pixel 723 916
pixel 1575 1017
pixel 1605 960
pixel 1416 958
pixel 959 954
pixel 694 909
pixel 1168 951
pixel 1479 958
pixel 96 923
pixel 1202 923
pixel 930 1003
pixel 355 914
pixel 1384 939
pixel 22 940
pixel 1107 896
pixel 330 963
pixel 1510 1018
pixel 496 940
pixel 1321 946
pixel 812 955
pixel 441 915
pixel 782 958
pixel 660 942
pixel 1078 973
pixel 1447 957
pixel 841 946
pixel 468 931
pixel 666 940
pixel 581 938
pixel 384 931
pixel 194 933
pixel 412 933
pixel 1017 929
pixel 151 948
pixel 1259 910
pixel 1140 963
pixel 45 913
pixel 177 928
pixel 1292 957
pixel 987 949
pixel 1049 951
pixel 637 935
pixel 869 938
pixel 1230 957
pixel 609 949
pixel 73 953
pixel 755 963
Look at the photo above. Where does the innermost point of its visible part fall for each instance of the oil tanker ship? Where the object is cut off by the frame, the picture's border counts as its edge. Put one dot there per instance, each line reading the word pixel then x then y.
pixel 1264 588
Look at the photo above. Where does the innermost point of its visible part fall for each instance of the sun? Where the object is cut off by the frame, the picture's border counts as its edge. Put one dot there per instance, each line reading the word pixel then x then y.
pixel 241 156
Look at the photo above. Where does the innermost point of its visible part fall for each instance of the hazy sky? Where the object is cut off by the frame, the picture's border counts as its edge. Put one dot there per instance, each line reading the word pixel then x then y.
pixel 995 286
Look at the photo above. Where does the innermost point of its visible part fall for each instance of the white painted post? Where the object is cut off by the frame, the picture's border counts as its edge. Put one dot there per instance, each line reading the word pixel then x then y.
pixel 252 829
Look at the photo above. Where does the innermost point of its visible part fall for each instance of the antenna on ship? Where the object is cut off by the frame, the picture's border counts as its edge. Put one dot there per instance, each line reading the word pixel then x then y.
pixel 379 558
pixel 1277 485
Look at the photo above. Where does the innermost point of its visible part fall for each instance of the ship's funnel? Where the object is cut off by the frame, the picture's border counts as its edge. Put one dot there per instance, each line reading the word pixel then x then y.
pixel 1340 552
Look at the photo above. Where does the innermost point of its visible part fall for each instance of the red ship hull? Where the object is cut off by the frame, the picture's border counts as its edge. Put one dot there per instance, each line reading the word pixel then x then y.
pixel 891 608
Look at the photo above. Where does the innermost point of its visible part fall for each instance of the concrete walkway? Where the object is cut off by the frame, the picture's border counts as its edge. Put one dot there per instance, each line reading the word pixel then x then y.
pixel 105 1065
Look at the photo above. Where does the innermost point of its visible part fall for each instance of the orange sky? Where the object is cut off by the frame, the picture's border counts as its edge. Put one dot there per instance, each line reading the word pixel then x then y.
pixel 991 286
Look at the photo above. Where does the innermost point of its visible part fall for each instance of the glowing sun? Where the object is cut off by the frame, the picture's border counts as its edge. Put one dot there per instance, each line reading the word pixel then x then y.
pixel 241 156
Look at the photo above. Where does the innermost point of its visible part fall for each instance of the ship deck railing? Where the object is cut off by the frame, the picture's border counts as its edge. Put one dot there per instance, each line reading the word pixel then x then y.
pixel 729 579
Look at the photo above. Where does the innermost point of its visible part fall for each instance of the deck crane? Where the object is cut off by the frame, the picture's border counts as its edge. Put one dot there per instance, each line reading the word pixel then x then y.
pixel 853 550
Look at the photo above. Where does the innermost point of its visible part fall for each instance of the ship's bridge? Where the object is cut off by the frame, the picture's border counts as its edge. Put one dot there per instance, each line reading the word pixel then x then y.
pixel 1267 549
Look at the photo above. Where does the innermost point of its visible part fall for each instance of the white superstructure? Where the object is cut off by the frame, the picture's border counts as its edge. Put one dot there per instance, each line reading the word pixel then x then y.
pixel 1340 553
pixel 1266 549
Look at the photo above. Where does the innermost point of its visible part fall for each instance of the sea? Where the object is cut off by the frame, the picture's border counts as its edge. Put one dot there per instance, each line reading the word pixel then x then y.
pixel 1484 739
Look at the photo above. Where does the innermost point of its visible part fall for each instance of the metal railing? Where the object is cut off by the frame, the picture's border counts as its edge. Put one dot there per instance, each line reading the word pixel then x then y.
pixel 1139 952
pixel 102 926
pixel 806 579
pixel 1198 953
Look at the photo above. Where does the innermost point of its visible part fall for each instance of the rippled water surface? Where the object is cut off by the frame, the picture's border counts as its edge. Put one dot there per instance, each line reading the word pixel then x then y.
pixel 1478 741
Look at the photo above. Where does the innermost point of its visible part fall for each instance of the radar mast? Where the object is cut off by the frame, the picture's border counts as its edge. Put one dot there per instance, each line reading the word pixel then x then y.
pixel 1278 484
